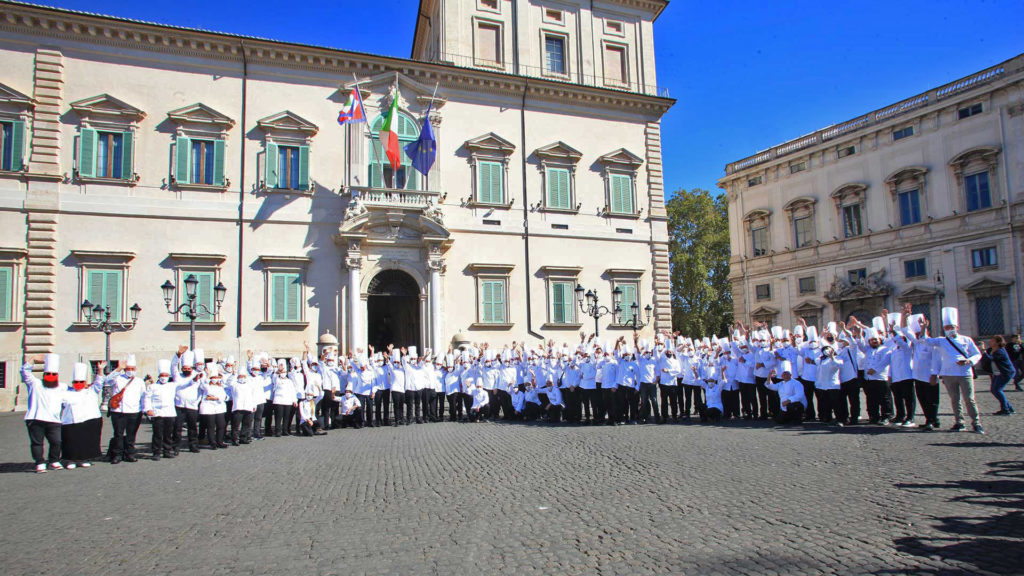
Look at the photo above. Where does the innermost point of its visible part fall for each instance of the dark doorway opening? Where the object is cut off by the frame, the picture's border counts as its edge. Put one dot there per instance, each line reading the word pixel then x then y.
pixel 393 310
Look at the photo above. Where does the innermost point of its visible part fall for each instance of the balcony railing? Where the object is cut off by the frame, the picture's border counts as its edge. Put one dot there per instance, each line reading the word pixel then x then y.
pixel 570 76
pixel 394 198
pixel 878 116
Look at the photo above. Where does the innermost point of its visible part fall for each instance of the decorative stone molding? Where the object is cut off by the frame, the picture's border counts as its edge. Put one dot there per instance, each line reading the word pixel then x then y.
pixel 871 286
pixel 201 117
pixel 287 126
pixel 104 109
pixel 973 161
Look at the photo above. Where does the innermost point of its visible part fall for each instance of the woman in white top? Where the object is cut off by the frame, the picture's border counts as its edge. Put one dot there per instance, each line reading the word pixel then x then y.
pixel 213 409
pixel 81 421
pixel 45 398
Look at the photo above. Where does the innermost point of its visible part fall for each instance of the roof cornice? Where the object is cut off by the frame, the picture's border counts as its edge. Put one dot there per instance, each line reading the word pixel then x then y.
pixel 46 22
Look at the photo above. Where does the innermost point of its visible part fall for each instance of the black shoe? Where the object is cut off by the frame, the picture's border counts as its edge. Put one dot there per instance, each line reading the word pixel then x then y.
pixel 1002 413
pixel 928 427
pixel 234 442
pixel 958 427
pixel 115 460
pixel 168 454
pixel 175 451
pixel 194 449
pixel 131 459
pixel 979 430
pixel 155 458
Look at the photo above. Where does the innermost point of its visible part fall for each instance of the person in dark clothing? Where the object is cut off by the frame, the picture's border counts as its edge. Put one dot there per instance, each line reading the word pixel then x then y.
pixel 1003 371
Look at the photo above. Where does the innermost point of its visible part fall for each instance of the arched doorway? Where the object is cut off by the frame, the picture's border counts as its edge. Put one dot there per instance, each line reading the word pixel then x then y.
pixel 393 310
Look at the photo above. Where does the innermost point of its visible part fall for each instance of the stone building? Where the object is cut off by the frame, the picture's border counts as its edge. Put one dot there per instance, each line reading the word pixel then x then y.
pixel 919 202
pixel 137 154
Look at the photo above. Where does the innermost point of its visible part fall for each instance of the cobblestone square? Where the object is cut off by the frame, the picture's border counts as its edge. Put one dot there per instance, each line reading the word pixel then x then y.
pixel 533 499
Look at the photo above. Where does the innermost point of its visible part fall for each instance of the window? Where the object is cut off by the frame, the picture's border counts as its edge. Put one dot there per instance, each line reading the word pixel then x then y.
pixel 554 54
pixel 492 302
pixel 558 193
pixel 12 146
pixel 846 151
pixel 199 161
pixel 490 182
pixel 629 297
pixel 989 310
pixel 857 275
pixel 807 285
pixel 562 308
pixel 104 287
pixel 901 133
pixel 968 111
pixel 763 291
pixel 798 167
pixel 852 223
pixel 910 207
pixel 285 297
pixel 109 154
pixel 288 167
pixel 811 319
pixel 613 27
pixel 6 293
pixel 751 182
pixel 106 153
pixel 916 268
pixel 204 292
pixel 978 194
pixel 381 173
pixel 489 4
pixel 3 374
pixel 759 240
pixel 555 16
pixel 803 230
pixel 202 162
pixel 615 70
pixel 621 194
pixel 488 43
pixel 984 258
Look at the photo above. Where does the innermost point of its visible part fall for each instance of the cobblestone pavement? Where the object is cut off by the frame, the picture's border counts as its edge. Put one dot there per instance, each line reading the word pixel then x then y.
pixel 523 499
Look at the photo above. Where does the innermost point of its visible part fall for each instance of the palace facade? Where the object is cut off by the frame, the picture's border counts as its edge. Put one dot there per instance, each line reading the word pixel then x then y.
pixel 137 155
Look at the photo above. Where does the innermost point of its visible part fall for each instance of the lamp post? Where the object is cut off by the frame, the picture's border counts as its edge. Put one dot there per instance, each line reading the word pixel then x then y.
pixel 636 322
pixel 191 307
pixel 593 308
pixel 939 289
pixel 98 318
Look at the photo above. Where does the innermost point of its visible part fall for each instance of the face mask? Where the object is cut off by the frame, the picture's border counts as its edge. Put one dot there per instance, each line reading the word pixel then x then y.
pixel 186 372
pixel 241 381
pixel 130 373
pixel 78 385
pixel 951 333
pixel 230 369
pixel 264 369
pixel 50 380
pixel 162 379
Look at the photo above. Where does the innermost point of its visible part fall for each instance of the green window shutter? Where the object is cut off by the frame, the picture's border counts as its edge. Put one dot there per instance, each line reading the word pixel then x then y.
pixel 558 188
pixel 103 287
pixel 499 302
pixel 17 146
pixel 376 170
pixel 270 176
pixel 6 292
pixel 628 298
pixel 493 301
pixel 182 153
pixel 623 191
pixel 497 183
pixel 486 297
pixel 127 147
pixel 278 296
pixel 558 303
pixel 489 183
pixel 285 297
pixel 292 301
pixel 303 167
pixel 218 162
pixel 87 152
pixel 204 294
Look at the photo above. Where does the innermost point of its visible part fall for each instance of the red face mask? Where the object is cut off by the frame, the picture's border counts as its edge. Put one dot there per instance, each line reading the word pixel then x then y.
pixel 79 385
pixel 50 380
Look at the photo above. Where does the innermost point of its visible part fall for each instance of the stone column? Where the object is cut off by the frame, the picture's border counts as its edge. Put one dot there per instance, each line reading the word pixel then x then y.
pixel 435 305
pixel 356 329
pixel 661 283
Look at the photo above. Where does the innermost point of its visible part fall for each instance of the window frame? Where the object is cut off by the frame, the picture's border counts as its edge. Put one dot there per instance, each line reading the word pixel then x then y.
pixel 566 56
pixel 569 277
pixel 570 193
pixel 478 180
pixel 482 274
pixel 13 149
pixel 758 296
pixel 622 283
pixel 274 266
pixel 988 190
pixel 915 261
pixel 903 132
pixel 618 174
pixel 498 25
pixel 914 206
pixel 855 275
pixel 408 172
pixel 754 230
pixel 185 263
pixel 973 109
pixel 986 250
pixel 860 220
pixel 800 289
pixel 103 261
pixel 626 70
pixel 10 306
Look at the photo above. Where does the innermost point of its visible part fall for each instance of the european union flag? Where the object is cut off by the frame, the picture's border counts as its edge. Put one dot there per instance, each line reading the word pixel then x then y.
pixel 423 151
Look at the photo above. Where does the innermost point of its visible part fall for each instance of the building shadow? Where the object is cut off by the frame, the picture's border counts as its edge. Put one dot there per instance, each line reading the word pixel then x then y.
pixel 990 542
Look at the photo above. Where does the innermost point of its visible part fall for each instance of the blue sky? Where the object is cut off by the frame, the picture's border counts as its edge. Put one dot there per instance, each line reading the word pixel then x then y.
pixel 747 75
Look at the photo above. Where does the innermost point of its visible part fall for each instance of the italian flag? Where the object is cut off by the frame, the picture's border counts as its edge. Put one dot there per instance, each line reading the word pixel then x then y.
pixel 389 135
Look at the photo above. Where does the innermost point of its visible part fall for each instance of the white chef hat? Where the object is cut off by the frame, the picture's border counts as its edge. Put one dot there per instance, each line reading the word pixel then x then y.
pixel 130 361
pixel 870 333
pixel 894 318
pixel 282 363
pixel 914 322
pixel 213 371
pixel 506 355
pixel 163 366
pixel 396 355
pixel 51 363
pixel 680 340
pixel 785 366
pixel 79 372
pixel 467 356
pixel 230 360
pixel 188 359
pixel 786 334
pixel 449 360
pixel 878 323
pixel 812 333
pixel 950 316
pixel 200 356
pixel 832 328
pixel 798 330
pixel 412 352
pixel 777 332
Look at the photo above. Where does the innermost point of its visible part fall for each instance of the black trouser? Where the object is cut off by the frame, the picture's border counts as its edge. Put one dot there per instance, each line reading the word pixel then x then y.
pixel 648 400
pixel 381 406
pixel 851 394
pixel 832 406
pixel 554 413
pixel 189 418
pixel 424 397
pixel 126 426
pixel 748 397
pixel 774 404
pixel 355 419
pixel 792 414
pixel 398 399
pixel 37 430
pixel 731 403
pixel 467 402
pixel 587 407
pixel 412 405
pixel 268 418
pixel 163 432
pixel 215 428
pixel 600 408
pixel 282 419
pixel 762 395
pixel 454 407
pixel 366 401
pixel 669 398
pixel 928 397
pixel 505 399
pixel 690 399
pixel 809 394
pixel 876 391
pixel 571 397
pixel 906 404
pixel 610 405
pixel 328 410
pixel 241 420
pixel 631 402
pixel 708 414
pixel 256 430
pixel 530 411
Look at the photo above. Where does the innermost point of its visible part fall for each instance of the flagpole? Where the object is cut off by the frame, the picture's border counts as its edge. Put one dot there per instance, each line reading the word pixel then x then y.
pixel 426 185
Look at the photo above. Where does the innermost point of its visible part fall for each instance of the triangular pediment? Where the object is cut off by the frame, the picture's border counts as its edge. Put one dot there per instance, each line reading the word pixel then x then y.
pixel 621 157
pixel 383 84
pixel 200 113
pixel 11 96
pixel 987 284
pixel 287 121
pixel 490 142
pixel 559 151
pixel 809 306
pixel 106 106
pixel 917 293
pixel 764 311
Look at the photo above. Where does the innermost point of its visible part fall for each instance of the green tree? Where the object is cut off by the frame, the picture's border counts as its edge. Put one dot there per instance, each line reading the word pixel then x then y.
pixel 698 229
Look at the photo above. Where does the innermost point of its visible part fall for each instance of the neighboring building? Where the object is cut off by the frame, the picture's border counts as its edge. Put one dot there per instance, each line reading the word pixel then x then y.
pixel 136 153
pixel 920 202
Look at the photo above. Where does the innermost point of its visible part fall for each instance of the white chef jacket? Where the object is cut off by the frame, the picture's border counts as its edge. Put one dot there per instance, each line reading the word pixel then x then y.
pixel 791 390
pixel 480 398
pixel 82 405
pixel 131 401
pixel 160 399
pixel 218 405
pixel 950 355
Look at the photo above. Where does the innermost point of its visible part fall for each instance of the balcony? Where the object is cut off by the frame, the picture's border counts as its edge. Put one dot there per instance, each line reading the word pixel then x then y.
pixel 364 199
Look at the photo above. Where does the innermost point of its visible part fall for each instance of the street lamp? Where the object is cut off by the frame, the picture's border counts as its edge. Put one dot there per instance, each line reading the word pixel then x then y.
pixel 636 322
pixel 98 318
pixel 191 307
pixel 939 288
pixel 593 308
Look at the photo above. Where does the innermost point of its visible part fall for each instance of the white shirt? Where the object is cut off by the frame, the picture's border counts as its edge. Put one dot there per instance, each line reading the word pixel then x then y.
pixel 828 373
pixel 790 390
pixel 218 403
pixel 713 395
pixel 160 399
pixel 82 405
pixel 349 404
pixel 480 398
pixel 131 401
pixel 554 396
pixel 245 396
pixel 285 391
pixel 668 370
pixel 44 404
pixel 949 355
